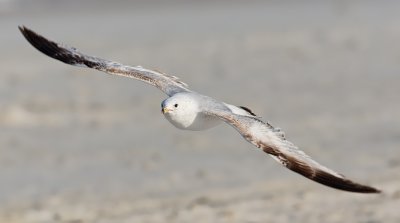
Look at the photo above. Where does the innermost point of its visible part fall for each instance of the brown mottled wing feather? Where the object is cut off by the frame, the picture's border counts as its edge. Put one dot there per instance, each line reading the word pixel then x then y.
pixel 168 84
pixel 272 141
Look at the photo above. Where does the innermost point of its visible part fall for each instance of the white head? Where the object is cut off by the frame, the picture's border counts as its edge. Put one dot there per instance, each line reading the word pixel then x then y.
pixel 180 110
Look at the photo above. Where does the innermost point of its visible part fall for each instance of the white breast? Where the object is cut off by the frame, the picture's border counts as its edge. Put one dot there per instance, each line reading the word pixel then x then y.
pixel 195 123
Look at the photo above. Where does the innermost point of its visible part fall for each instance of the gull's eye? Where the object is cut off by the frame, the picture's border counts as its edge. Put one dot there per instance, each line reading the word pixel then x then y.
pixel 175 105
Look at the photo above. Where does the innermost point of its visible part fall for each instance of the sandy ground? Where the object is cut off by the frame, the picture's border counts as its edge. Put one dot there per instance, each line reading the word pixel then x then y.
pixel 80 146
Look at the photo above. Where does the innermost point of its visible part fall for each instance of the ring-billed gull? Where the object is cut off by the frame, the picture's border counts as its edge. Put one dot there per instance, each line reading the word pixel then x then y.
pixel 189 110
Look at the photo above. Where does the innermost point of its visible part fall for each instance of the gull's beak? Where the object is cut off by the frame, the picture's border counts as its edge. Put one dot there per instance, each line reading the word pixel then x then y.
pixel 165 110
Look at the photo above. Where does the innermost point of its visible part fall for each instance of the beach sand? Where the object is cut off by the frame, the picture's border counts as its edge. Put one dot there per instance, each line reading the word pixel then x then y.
pixel 77 145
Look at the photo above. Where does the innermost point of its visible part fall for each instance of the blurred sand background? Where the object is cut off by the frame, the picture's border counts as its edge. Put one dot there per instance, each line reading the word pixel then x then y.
pixel 78 146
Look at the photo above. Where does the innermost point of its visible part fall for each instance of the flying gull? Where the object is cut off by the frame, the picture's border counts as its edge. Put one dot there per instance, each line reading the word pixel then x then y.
pixel 189 110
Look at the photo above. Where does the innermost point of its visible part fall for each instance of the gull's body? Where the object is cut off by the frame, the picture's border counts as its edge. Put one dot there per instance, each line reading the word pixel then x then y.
pixel 189 110
pixel 193 118
pixel 197 113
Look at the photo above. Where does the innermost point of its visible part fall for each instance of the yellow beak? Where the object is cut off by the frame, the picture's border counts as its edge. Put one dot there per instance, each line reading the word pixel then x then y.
pixel 165 110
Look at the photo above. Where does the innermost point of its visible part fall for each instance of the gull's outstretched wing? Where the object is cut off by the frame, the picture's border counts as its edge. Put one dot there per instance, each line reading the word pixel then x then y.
pixel 168 84
pixel 273 142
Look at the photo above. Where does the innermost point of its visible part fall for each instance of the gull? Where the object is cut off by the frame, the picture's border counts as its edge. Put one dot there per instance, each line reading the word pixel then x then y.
pixel 189 110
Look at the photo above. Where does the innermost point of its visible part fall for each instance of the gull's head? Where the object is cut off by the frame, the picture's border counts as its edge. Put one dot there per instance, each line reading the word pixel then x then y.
pixel 181 110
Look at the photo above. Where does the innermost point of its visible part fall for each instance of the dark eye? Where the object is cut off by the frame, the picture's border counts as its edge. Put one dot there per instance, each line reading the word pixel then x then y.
pixel 175 105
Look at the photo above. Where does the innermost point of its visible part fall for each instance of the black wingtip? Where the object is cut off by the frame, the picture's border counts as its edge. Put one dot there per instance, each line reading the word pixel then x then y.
pixel 28 33
pixel 376 191
pixel 366 190
pixel 369 189
pixel 52 49
pixel 42 44
pixel 25 31
pixel 324 177
pixel 63 53
pixel 372 190
pixel 343 183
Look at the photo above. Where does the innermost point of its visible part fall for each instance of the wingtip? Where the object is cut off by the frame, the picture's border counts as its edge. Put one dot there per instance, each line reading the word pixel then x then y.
pixel 26 32
pixel 369 190
pixel 374 191
pixel 361 188
pixel 41 43
pixel 351 186
pixel 356 188
pixel 23 29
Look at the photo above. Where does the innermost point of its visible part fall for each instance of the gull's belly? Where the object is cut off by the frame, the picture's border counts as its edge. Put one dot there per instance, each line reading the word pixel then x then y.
pixel 200 122
pixel 203 123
